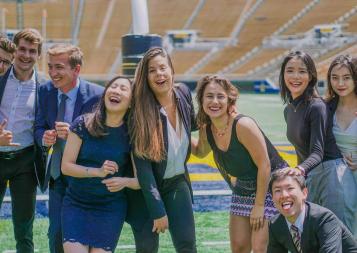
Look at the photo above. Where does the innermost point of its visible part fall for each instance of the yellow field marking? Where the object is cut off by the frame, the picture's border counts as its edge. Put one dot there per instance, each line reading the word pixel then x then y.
pixel 206 177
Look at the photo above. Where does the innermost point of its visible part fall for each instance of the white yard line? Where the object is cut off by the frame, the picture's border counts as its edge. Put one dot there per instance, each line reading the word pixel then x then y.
pixel 132 246
pixel 44 197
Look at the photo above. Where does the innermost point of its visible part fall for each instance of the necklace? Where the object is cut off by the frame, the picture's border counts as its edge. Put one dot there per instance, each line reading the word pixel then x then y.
pixel 221 132
pixel 297 106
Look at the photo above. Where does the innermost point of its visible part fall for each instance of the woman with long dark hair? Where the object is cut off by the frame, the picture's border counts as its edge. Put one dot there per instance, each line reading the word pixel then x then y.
pixel 306 116
pixel 97 157
pixel 161 120
pixel 244 157
pixel 342 101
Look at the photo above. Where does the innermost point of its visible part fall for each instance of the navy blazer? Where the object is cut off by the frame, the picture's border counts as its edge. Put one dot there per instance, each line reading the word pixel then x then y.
pixel 322 232
pixel 39 160
pixel 87 97
pixel 151 174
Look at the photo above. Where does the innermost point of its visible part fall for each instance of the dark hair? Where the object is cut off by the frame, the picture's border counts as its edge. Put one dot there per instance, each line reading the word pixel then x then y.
pixel 95 121
pixel 281 174
pixel 229 88
pixel 146 128
pixel 310 90
pixel 345 61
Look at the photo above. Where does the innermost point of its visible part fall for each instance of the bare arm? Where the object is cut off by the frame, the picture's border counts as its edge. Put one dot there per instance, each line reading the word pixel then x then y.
pixel 253 140
pixel 70 168
pixel 200 147
pixel 115 184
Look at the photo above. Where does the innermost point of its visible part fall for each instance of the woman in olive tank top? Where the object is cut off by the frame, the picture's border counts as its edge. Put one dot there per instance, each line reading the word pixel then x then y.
pixel 244 157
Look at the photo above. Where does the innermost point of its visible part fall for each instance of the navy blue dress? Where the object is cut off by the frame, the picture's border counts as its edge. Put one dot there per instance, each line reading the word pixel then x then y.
pixel 91 215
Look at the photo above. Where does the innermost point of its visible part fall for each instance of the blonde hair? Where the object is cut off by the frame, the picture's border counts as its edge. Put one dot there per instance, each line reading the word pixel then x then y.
pixel 75 54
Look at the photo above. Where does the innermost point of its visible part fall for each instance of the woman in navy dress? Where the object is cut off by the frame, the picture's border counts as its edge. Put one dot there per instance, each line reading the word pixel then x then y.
pixel 97 157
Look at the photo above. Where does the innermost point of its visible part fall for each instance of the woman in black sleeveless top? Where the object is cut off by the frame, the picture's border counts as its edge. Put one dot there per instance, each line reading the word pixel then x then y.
pixel 244 157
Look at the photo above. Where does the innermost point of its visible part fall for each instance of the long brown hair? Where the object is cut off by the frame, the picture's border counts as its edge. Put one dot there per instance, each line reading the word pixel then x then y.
pixel 341 60
pixel 232 93
pixel 95 121
pixel 146 128
pixel 310 91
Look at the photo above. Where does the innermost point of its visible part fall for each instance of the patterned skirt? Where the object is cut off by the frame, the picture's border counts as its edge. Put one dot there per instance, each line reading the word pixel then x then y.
pixel 243 205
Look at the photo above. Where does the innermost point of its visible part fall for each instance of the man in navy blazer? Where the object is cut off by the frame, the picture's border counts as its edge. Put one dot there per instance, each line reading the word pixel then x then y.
pixel 301 226
pixel 69 96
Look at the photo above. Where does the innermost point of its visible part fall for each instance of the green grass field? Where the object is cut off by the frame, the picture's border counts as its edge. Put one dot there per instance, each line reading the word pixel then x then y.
pixel 211 233
pixel 211 227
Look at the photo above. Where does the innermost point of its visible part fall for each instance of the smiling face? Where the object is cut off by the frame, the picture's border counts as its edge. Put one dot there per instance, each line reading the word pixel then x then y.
pixel 341 81
pixel 26 56
pixel 296 77
pixel 215 101
pixel 288 197
pixel 160 76
pixel 118 96
pixel 63 76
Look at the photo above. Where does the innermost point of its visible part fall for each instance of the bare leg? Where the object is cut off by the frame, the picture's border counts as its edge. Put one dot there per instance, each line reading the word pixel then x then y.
pixel 260 239
pixel 240 235
pixel 75 247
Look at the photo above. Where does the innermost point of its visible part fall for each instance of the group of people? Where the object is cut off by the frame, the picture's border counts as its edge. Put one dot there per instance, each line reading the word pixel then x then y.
pixel 119 154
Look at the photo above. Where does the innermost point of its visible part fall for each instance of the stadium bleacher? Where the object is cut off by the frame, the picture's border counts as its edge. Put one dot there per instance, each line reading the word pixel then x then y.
pixel 101 25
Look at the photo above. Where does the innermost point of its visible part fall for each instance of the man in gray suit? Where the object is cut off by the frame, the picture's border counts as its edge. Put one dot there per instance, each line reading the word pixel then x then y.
pixel 301 226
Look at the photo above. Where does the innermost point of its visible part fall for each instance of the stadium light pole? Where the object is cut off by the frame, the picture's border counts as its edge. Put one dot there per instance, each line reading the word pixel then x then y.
pixel 140 17
pixel 136 44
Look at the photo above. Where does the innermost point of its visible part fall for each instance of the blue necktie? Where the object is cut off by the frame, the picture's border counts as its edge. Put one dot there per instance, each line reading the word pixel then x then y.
pixel 58 147
pixel 294 231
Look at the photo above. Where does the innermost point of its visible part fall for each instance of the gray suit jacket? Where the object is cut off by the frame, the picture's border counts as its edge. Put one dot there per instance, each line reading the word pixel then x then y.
pixel 322 232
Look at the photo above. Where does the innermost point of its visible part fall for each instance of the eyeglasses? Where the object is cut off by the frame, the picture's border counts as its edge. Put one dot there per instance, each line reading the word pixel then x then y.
pixel 5 62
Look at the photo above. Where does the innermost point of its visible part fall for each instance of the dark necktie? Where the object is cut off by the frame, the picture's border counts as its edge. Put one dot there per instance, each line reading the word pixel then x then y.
pixel 294 231
pixel 59 145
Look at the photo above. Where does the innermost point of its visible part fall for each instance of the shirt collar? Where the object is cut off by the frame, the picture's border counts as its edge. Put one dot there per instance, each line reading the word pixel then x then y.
pixel 12 75
pixel 72 94
pixel 299 223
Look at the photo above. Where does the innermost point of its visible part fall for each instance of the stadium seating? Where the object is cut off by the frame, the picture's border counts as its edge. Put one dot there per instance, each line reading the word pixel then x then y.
pixel 102 24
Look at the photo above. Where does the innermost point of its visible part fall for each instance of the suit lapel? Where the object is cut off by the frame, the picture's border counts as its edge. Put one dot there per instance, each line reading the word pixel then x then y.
pixel 3 81
pixel 285 231
pixel 81 96
pixel 305 232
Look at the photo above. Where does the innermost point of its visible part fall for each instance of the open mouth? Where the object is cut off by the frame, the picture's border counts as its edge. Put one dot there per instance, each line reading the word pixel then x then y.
pixel 114 100
pixel 296 84
pixel 25 61
pixel 160 82
pixel 214 108
pixel 287 205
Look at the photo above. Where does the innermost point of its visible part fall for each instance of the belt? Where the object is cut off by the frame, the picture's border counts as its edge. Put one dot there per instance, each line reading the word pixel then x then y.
pixel 15 154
